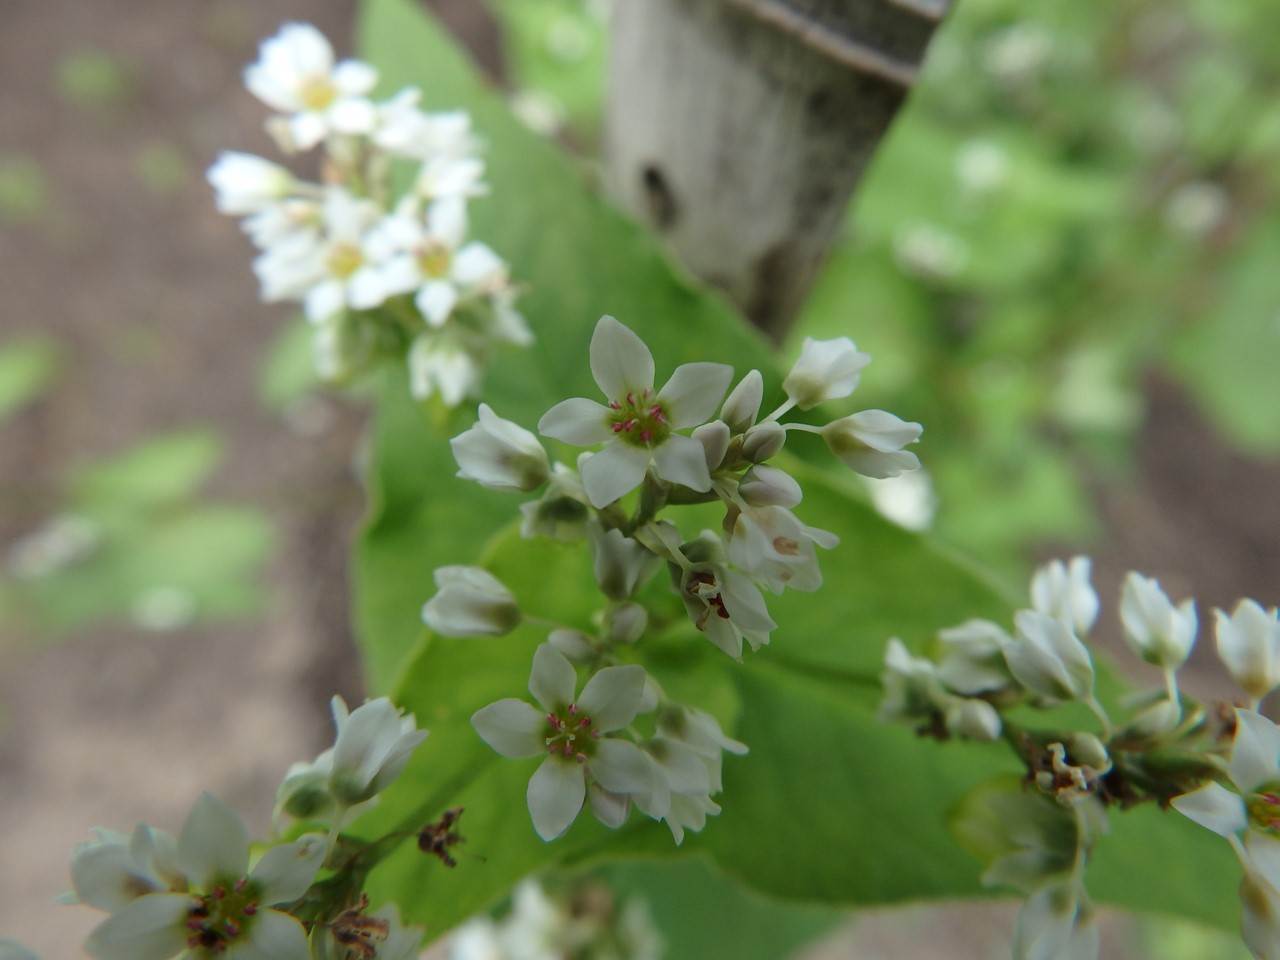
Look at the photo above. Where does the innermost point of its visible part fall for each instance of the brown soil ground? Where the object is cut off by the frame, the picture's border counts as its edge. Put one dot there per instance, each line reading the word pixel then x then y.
pixel 149 289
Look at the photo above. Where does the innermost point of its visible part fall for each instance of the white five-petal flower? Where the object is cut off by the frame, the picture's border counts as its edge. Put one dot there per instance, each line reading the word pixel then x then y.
pixel 572 734
pixel 296 75
pixel 825 370
pixel 638 424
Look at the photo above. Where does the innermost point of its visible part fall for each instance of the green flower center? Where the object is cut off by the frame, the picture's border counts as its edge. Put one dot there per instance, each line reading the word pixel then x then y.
pixel 319 94
pixel 217 919
pixel 641 420
pixel 344 260
pixel 1264 808
pixel 434 261
pixel 572 735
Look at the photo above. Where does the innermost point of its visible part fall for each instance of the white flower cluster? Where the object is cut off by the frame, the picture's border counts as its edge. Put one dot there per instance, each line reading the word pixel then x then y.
pixel 592 752
pixel 377 275
pixel 197 895
pixel 981 670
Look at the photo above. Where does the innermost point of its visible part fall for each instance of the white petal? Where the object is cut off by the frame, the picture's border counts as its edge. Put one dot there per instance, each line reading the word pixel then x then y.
pixel 680 764
pixel 323 300
pixel 307 129
pixel 611 809
pixel 275 936
pixel 620 766
pixel 352 115
pixel 214 843
pixel 620 362
pixel 512 727
pixel 552 679
pixel 1255 756
pixel 149 928
pixel 611 697
pixel 694 391
pixel 680 459
pixel 578 421
pixel 447 221
pixel 436 300
pixel 1215 807
pixel 618 469
pixel 355 77
pixel 555 796
pixel 476 263
pixel 287 871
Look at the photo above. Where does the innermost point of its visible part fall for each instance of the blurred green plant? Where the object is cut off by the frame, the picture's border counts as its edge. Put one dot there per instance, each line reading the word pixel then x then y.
pixel 96 81
pixel 136 538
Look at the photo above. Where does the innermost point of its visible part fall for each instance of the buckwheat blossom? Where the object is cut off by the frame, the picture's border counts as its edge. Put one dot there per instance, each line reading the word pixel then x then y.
pixel 825 370
pixel 1156 630
pixel 1064 591
pixel 225 911
pixel 871 442
pixel 115 869
pixel 373 745
pixel 247 184
pixel 1249 647
pixel 725 606
pixel 1047 658
pixel 295 74
pixel 470 602
pixel 500 455
pixel 638 425
pixel 772 547
pixel 572 733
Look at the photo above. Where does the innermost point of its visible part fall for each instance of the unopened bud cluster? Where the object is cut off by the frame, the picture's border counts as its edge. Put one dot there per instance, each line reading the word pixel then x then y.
pixel 653 451
pixel 209 892
pixel 379 275
pixel 1170 750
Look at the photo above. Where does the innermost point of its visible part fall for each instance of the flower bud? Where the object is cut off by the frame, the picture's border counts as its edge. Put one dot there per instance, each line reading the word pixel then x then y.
pixel 626 622
pixel 562 513
pixel 246 184
pixel 1063 591
pixel 972 719
pixel 742 406
pixel 619 563
pixel 438 365
pixel 763 441
pixel 574 644
pixel 871 442
pixel 826 370
pixel 1155 630
pixel 1152 723
pixel 304 793
pixel 765 486
pixel 1048 659
pixel 470 602
pixel 373 746
pixel 500 455
pixel 714 437
pixel 973 661
pixel 1249 646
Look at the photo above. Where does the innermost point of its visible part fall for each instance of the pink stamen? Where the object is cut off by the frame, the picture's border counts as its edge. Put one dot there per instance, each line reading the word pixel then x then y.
pixel 250 909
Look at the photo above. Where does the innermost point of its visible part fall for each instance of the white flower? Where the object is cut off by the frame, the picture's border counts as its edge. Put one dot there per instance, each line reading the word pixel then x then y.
pixel 912 687
pixel 404 130
pixel 620 563
pixel 427 256
pixel 638 424
pixel 373 745
pixel 971 719
pixel 571 734
pixel 113 870
pixel 1063 591
pixel 222 914
pixel 773 548
pixel 1154 628
pixel 1048 659
pixel 500 455
pixel 562 512
pixel 764 486
pixel 1249 647
pixel 290 228
pixel 1260 896
pixel 440 365
pixel 826 370
pixel 470 602
pixel 871 442
pixel 726 606
pixel 248 184
pixel 974 659
pixel 296 75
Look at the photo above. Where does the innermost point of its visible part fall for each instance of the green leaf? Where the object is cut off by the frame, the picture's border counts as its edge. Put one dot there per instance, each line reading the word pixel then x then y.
pixel 158 471
pixel 27 366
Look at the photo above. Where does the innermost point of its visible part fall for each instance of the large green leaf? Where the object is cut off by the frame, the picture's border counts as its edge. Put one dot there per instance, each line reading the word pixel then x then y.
pixel 830 806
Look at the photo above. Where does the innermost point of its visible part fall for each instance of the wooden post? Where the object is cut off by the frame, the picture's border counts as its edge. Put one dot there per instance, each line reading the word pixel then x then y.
pixel 738 129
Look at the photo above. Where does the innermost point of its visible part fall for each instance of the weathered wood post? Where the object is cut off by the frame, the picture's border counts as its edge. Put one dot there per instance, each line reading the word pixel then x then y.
pixel 739 128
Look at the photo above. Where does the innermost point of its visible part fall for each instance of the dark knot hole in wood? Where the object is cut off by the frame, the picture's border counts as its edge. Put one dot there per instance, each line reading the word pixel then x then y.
pixel 659 197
